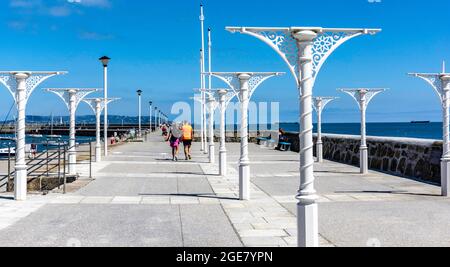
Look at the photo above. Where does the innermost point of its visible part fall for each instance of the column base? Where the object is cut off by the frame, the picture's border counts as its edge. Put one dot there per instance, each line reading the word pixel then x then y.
pixel 20 183
pixel 445 177
pixel 308 225
pixel 212 155
pixel 72 164
pixel 98 154
pixel 223 163
pixel 319 151
pixel 364 160
pixel 244 182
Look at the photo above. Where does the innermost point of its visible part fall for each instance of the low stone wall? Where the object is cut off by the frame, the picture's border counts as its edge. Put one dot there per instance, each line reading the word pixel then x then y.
pixel 406 157
pixel 235 136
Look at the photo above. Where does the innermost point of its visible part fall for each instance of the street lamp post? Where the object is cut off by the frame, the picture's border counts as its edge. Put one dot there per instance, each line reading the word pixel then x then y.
pixel 244 84
pixel 151 115
pixel 156 118
pixel 305 50
pixel 363 97
pixel 105 61
pixel 441 85
pixel 139 93
pixel 203 78
pixel 21 85
pixel 98 105
pixel 72 97
pixel 202 125
pixel 319 104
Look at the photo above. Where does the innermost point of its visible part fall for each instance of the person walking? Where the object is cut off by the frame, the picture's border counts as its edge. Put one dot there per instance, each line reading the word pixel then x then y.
pixel 188 134
pixel 174 137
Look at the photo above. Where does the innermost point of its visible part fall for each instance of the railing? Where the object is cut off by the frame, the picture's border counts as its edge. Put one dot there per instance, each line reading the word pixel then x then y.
pixel 48 169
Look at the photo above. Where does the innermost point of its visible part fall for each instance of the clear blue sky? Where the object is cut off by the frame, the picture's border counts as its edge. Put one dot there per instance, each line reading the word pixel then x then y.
pixel 155 47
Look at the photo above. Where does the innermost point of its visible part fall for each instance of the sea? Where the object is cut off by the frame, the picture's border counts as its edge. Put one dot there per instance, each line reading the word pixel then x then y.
pixel 431 130
pixel 41 141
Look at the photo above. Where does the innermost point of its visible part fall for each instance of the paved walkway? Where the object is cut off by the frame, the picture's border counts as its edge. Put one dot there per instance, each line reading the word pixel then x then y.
pixel 141 198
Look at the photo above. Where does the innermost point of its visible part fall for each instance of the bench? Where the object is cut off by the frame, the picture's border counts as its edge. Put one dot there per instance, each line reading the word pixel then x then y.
pixel 272 143
pixel 285 146
pixel 263 140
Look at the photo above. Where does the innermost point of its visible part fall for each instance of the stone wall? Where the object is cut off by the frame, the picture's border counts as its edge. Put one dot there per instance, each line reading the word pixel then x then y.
pixel 412 158
pixel 235 136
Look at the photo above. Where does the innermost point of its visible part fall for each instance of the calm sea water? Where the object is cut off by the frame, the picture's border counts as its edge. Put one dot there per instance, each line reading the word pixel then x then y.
pixel 411 130
pixel 40 141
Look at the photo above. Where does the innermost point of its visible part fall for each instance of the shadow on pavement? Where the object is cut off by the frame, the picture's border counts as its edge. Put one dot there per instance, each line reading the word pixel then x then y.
pixel 210 196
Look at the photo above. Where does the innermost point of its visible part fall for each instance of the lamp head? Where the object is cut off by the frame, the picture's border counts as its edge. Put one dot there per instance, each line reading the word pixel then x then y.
pixel 139 92
pixel 105 60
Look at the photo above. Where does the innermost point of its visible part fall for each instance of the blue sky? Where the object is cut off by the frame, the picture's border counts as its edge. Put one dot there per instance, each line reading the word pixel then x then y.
pixel 155 47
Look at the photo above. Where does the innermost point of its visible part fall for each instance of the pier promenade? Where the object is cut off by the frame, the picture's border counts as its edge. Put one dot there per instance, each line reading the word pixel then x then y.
pixel 141 198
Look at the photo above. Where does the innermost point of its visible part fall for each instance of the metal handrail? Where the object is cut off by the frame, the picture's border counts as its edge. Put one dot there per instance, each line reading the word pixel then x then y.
pixel 46 164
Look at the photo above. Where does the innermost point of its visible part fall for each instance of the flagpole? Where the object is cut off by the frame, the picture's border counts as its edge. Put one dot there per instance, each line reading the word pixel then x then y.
pixel 203 79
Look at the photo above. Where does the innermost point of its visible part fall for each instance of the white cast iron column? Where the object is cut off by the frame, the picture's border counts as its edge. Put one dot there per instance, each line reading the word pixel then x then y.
pixel 364 150
pixel 223 148
pixel 244 162
pixel 21 85
pixel 319 144
pixel 21 177
pixel 72 138
pixel 363 97
pixel 307 207
pixel 445 162
pixel 212 149
pixel 441 85
pixel 319 105
pixel 72 98
pixel 244 84
pixel 97 105
pixel 291 44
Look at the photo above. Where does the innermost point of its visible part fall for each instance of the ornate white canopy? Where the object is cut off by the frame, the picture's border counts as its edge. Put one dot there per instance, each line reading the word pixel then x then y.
pixel 35 78
pixel 92 102
pixel 363 95
pixel 319 103
pixel 65 94
pixel 283 41
pixel 233 81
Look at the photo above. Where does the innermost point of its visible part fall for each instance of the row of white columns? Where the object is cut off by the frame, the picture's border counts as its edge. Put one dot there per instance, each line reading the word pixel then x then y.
pixel 21 85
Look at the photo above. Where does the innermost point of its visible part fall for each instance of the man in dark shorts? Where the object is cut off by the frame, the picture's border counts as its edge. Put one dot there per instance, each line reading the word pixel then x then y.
pixel 188 134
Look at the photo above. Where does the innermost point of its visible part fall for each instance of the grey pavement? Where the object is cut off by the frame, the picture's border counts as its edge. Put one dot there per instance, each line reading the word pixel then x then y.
pixel 141 198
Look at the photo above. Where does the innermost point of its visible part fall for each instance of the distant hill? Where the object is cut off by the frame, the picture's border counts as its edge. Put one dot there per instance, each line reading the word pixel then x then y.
pixel 88 119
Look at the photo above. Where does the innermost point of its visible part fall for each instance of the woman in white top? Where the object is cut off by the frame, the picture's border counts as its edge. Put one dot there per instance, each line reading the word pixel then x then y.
pixel 174 138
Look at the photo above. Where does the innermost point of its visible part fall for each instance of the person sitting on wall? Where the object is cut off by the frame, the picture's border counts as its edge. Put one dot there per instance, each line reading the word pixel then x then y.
pixel 281 138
